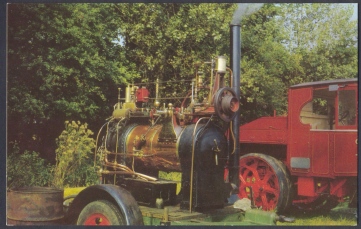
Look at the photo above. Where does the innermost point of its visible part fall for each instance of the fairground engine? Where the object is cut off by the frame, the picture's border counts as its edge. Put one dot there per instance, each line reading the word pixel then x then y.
pixel 145 136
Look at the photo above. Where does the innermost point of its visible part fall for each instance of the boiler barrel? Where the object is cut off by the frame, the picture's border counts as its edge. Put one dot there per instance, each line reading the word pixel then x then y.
pixel 142 147
pixel 35 206
pixel 150 153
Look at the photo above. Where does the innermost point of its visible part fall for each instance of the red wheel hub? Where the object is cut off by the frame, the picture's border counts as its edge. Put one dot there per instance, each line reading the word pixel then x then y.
pixel 97 219
pixel 259 182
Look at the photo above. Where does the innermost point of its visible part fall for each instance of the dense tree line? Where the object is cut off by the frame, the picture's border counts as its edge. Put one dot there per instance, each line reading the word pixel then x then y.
pixel 65 61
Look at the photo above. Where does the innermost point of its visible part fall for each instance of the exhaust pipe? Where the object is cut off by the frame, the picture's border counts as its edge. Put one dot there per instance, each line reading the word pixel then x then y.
pixel 235 45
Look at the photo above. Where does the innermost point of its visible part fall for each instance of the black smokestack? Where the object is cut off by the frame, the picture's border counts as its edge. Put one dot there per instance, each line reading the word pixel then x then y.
pixel 242 11
pixel 236 68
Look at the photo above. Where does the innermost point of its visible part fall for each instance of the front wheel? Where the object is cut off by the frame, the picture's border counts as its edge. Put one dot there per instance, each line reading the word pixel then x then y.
pixel 265 181
pixel 100 213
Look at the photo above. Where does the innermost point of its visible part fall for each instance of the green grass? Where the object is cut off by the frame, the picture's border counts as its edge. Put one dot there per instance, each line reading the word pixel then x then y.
pixel 321 221
pixel 339 216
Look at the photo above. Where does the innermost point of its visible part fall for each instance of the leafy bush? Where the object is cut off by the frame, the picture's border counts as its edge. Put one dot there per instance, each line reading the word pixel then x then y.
pixel 83 175
pixel 27 169
pixel 74 166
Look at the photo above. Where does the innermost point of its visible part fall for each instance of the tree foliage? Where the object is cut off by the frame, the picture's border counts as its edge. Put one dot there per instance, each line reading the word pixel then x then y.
pixel 63 64
pixel 287 44
pixel 166 40
pixel 65 61
pixel 325 37
pixel 264 64
pixel 64 58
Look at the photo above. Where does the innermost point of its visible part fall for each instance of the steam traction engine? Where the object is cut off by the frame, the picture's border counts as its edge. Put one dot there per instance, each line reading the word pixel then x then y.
pixel 146 137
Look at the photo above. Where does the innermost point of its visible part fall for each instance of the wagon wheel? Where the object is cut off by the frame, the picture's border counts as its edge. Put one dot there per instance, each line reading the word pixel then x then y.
pixel 265 181
pixel 100 213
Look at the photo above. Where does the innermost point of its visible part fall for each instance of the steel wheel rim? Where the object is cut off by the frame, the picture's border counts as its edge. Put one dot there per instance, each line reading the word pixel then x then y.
pixel 97 219
pixel 257 175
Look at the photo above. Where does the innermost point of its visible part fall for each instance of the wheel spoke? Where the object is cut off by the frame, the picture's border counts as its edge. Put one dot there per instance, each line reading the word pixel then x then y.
pixel 242 179
pixel 268 175
pixel 264 201
pixel 269 189
pixel 253 170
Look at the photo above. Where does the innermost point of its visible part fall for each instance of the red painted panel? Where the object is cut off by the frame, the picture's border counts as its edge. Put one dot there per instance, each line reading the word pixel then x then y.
pixel 299 133
pixel 345 154
pixel 266 123
pixel 320 162
pixel 265 130
pixel 306 186
pixel 263 136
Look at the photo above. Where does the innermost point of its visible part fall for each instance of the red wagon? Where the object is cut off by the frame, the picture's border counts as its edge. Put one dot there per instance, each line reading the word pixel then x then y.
pixel 308 157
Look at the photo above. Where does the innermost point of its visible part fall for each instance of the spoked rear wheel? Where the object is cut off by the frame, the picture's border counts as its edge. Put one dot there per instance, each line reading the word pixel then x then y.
pixel 265 181
pixel 100 213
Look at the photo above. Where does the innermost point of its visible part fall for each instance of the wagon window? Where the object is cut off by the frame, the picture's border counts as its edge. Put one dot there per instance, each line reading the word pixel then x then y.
pixel 320 112
pixel 346 108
